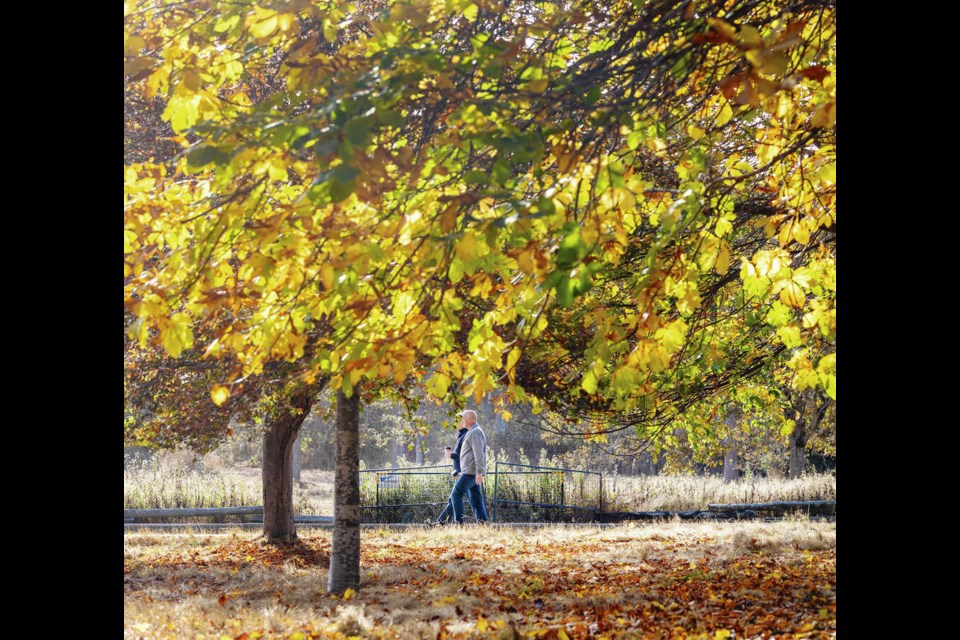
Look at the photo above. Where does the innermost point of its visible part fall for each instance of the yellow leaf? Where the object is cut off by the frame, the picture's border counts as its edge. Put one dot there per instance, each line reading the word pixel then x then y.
pixel 825 115
pixel 349 593
pixel 467 247
pixel 775 65
pixel 792 295
pixel 191 80
pixel 481 624
pixel 750 36
pixel 182 112
pixel 800 232
pixel 142 627
pixel 219 394
pixel 262 22
pixel 448 219
pixel 695 132
pixel 562 635
pixel 656 145
pixel 721 634
pixel 177 335
pixel 513 357
pixel 537 86
pixel 790 336
pixel 438 384
pixel 327 275
pixel 723 258
pixel 827 364
pixel 133 45
pixel 526 260
pixel 725 114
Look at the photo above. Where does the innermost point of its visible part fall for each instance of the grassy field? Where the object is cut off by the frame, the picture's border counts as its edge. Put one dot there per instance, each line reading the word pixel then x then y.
pixel 166 484
pixel 659 580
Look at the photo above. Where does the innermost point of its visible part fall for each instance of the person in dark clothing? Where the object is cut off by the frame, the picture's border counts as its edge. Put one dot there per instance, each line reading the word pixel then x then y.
pixel 455 457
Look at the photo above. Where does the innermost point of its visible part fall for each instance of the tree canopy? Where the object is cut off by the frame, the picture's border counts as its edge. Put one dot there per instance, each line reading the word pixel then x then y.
pixel 613 211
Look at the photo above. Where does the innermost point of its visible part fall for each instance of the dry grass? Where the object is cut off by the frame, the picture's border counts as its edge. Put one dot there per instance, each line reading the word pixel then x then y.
pixel 668 579
pixel 167 483
pixel 687 493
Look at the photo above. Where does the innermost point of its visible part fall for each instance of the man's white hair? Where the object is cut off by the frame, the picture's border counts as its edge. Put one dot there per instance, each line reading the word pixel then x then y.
pixel 469 412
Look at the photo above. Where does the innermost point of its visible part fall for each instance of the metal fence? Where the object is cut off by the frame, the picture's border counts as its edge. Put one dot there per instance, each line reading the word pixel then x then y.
pixel 416 494
pixel 521 493
pixel 528 493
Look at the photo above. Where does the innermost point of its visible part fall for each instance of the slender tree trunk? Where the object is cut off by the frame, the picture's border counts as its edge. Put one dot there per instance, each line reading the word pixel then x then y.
pixel 345 550
pixel 731 466
pixel 418 444
pixel 278 468
pixel 296 457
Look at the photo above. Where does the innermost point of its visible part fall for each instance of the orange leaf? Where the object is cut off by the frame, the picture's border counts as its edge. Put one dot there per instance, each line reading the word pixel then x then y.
pixel 814 73
pixel 728 86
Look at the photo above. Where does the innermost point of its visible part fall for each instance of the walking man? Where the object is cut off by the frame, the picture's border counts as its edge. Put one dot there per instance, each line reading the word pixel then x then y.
pixel 473 462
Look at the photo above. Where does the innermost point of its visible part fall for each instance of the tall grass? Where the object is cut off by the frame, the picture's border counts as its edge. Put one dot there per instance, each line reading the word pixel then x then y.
pixel 165 482
pixel 688 493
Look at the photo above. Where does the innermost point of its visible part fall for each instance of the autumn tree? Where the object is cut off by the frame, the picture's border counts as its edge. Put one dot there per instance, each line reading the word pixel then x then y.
pixel 468 195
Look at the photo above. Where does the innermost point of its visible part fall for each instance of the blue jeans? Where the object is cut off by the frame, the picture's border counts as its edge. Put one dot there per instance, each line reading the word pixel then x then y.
pixel 477 503
pixel 467 484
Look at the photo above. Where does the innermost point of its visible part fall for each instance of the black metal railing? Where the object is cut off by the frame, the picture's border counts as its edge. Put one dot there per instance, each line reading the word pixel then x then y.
pixel 529 493
pixel 416 494
pixel 521 493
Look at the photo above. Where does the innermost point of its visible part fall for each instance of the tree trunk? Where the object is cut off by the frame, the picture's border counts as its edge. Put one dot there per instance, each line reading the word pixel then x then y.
pixel 731 470
pixel 798 453
pixel 345 549
pixel 278 468
pixel 296 457
pixel 418 444
pixel 809 415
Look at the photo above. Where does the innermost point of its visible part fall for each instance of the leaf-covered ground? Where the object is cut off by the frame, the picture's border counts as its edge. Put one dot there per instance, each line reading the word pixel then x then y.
pixel 666 580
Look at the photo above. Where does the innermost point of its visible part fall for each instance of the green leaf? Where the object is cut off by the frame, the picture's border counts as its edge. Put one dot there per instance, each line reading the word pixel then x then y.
pixel 546 206
pixel 203 154
pixel 476 178
pixel 357 130
pixel 572 250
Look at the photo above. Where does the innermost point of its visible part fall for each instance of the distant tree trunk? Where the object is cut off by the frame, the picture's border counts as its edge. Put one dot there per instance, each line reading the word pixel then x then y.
pixel 731 467
pixel 296 457
pixel 809 415
pixel 418 445
pixel 277 468
pixel 345 549
pixel 798 452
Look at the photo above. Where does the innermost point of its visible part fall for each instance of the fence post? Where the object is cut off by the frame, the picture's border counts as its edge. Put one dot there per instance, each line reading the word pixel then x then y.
pixel 496 477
